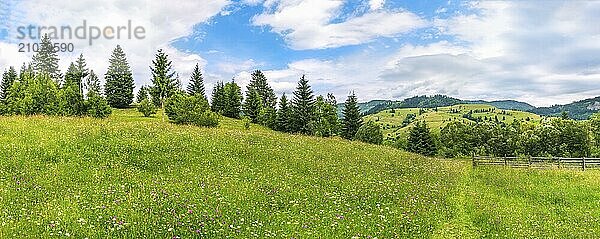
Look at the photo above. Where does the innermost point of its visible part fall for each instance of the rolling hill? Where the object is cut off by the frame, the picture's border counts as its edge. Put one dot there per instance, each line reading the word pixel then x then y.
pixel 580 110
pixel 134 177
pixel 391 121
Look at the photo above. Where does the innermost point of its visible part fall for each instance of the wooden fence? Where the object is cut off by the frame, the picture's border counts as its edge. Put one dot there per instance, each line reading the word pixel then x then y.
pixel 538 162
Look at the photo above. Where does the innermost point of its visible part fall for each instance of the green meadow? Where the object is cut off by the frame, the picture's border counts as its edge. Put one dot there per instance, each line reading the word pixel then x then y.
pixel 132 177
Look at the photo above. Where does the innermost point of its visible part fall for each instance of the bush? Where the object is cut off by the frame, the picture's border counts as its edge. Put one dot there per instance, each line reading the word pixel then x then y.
pixel 369 133
pixel 3 109
pixel 71 101
pixel 246 121
pixel 193 110
pixel 146 108
pixel 98 107
pixel 34 95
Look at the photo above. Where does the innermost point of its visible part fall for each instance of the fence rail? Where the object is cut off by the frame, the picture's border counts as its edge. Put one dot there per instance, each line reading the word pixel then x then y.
pixel 538 162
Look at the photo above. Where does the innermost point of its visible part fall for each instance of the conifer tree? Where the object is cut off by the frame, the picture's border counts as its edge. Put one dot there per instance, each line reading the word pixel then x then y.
pixel 164 82
pixel 259 84
pixel 421 141
pixel 326 121
pixel 71 76
pixel 82 72
pixel 233 100
pixel 8 78
pixel 252 105
pixel 142 94
pixel 218 98
pixel 284 115
pixel 92 85
pixel 26 71
pixel 119 80
pixel 303 107
pixel 45 61
pixel 196 86
pixel 352 119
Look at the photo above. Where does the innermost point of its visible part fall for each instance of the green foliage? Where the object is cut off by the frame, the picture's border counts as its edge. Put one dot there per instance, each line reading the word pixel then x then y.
pixel 194 110
pixel 45 61
pixel 259 84
pixel 252 105
pixel 8 78
pixel 246 122
pixel 326 122
pixel 196 86
pixel 233 100
pixel 369 133
pixel 303 107
pixel 219 98
pixel 457 140
pixel 31 96
pixel 284 115
pixel 98 107
pixel 164 82
pixel 352 119
pixel 267 117
pixel 142 94
pixel 119 80
pixel 147 108
pixel 595 134
pixel 92 85
pixel 421 141
pixel 408 119
pixel 71 101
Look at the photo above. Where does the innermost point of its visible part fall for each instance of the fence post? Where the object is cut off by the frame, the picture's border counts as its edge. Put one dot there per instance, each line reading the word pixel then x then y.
pixel 505 162
pixel 583 163
pixel 529 161
pixel 473 158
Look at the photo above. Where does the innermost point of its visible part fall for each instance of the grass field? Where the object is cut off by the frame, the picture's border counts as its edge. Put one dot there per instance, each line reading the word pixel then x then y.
pixel 131 177
pixel 391 121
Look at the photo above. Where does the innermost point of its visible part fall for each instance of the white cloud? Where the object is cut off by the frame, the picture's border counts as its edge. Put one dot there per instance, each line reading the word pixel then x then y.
pixel 376 4
pixel 163 23
pixel 309 24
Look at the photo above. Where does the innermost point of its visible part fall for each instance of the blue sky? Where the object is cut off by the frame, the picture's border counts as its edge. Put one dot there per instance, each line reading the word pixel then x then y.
pixel 536 51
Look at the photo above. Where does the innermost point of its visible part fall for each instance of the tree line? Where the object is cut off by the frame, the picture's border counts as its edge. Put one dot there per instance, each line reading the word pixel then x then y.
pixel 41 88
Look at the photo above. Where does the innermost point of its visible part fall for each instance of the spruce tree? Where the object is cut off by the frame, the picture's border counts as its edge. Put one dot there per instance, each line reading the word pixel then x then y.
pixel 303 107
pixel 142 94
pixel 26 71
pixel 284 115
pixel 119 80
pixel 252 105
pixel 421 141
pixel 196 86
pixel 92 84
pixel 164 82
pixel 352 119
pixel 233 100
pixel 71 77
pixel 45 61
pixel 259 84
pixel 218 98
pixel 82 72
pixel 8 78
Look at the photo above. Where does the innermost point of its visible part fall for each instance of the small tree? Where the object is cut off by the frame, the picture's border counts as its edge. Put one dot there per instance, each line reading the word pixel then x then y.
pixel 146 108
pixel 233 100
pixel 352 119
pixel 92 85
pixel 326 121
pixel 8 78
pixel 164 82
pixel 252 105
pixel 284 115
pixel 45 61
pixel 303 108
pixel 142 94
pixel 421 141
pixel 196 86
pixel 218 98
pixel 268 117
pixel 119 80
pixel 370 133
pixel 182 109
pixel 97 107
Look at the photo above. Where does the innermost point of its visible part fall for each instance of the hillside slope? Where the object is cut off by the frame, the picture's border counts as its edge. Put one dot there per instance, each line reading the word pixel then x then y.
pixel 134 177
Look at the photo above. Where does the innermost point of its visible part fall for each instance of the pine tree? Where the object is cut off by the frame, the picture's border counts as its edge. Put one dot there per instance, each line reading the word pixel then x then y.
pixel 92 84
pixel 71 76
pixel 196 86
pixel 142 94
pixel 26 71
pixel 82 72
pixel 252 105
pixel 352 119
pixel 8 78
pixel 303 107
pixel 284 115
pixel 218 98
pixel 259 84
pixel 45 61
pixel 119 80
pixel 233 100
pixel 164 82
pixel 421 141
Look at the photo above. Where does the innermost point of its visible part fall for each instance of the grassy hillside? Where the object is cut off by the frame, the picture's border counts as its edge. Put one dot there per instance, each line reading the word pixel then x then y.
pixel 129 176
pixel 391 120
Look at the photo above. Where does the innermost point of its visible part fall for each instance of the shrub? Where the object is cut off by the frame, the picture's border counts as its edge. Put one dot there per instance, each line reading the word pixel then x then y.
pixel 193 110
pixel 246 121
pixel 369 133
pixel 146 108
pixel 98 107
pixel 71 101
pixel 3 109
pixel 34 95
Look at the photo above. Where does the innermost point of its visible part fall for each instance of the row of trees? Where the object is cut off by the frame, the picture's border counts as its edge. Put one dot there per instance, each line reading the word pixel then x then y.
pixel 558 137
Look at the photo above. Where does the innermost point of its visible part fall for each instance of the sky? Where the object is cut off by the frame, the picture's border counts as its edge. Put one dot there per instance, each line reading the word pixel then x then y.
pixel 540 52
